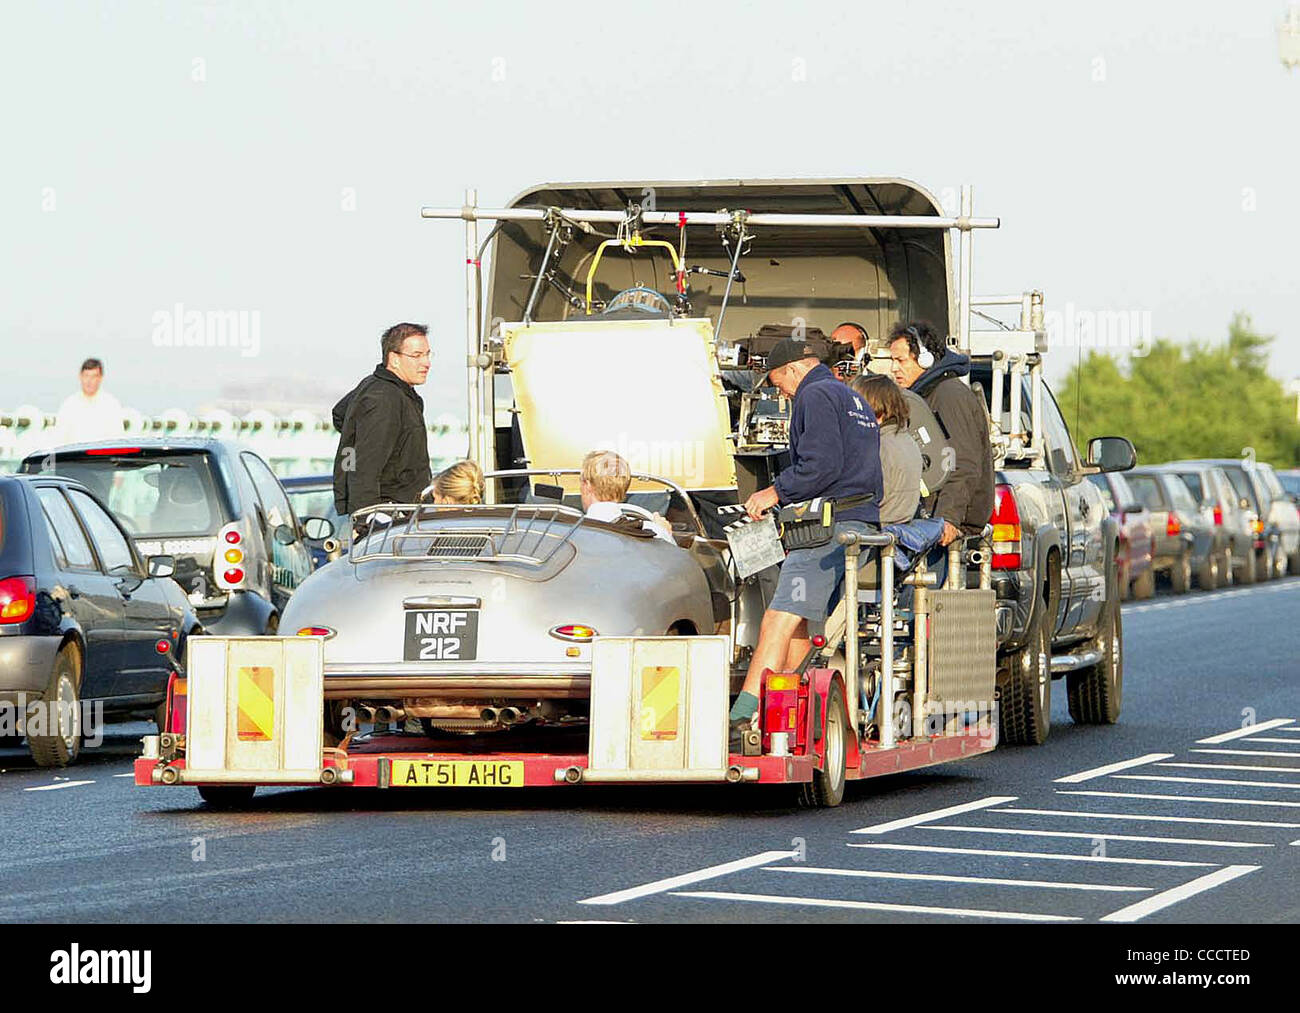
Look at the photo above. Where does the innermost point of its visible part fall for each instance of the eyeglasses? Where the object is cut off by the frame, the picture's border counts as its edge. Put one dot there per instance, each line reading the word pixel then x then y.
pixel 418 355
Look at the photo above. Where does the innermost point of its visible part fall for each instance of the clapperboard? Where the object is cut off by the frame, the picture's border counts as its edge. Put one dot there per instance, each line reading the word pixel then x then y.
pixel 755 545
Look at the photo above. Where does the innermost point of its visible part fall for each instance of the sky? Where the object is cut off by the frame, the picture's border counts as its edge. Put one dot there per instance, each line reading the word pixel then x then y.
pixel 271 159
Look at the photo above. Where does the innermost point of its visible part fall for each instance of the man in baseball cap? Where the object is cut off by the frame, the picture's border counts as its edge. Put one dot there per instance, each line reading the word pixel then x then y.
pixel 834 453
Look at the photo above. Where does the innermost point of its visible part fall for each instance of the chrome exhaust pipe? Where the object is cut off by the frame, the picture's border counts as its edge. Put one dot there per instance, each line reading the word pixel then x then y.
pixel 509 715
pixel 489 714
pixel 365 714
pixel 390 715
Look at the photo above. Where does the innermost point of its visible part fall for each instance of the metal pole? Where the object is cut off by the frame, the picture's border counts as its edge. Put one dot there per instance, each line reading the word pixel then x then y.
pixel 888 736
pixel 726 294
pixel 920 644
pixel 541 273
pixel 963 319
pixel 718 218
pixel 473 416
pixel 851 660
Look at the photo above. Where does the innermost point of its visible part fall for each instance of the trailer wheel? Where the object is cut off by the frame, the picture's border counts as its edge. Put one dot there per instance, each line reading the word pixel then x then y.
pixel 1096 693
pixel 227 796
pixel 827 786
pixel 1025 683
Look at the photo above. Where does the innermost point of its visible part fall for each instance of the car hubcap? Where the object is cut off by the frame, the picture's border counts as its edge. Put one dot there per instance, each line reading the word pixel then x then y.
pixel 66 714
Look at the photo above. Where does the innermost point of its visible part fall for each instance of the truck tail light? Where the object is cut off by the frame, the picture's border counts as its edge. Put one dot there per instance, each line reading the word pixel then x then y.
pixel 228 566
pixel 17 599
pixel 1218 516
pixel 1173 526
pixel 1006 529
pixel 781 707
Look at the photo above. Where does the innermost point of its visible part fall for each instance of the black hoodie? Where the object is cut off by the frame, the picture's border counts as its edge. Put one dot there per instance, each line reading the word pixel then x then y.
pixel 966 499
pixel 383 454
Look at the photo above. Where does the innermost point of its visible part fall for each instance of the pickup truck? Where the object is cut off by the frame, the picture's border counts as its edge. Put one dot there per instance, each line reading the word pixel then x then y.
pixel 1054 543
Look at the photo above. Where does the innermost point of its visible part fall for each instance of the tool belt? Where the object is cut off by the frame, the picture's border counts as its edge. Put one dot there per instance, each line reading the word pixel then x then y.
pixel 810 524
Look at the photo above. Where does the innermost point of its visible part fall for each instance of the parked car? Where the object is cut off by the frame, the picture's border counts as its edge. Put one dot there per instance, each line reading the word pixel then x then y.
pixel 1254 497
pixel 1290 479
pixel 1220 504
pixel 83 617
pixel 1137 578
pixel 213 506
pixel 312 497
pixel 1284 515
pixel 1187 547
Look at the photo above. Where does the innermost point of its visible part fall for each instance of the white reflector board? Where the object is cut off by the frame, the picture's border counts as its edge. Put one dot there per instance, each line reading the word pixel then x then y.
pixel 255 704
pixel 659 703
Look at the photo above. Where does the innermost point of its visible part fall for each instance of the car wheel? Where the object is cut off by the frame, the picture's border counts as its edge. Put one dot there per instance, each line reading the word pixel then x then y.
pixel 1096 693
pixel 1207 575
pixel 62 713
pixel 1263 565
pixel 1225 568
pixel 1025 688
pixel 1248 568
pixel 826 789
pixel 1293 562
pixel 1145 586
pixel 1180 574
pixel 1279 562
pixel 227 796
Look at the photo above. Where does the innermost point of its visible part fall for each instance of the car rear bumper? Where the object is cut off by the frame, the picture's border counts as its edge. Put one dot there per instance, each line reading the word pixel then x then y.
pixel 25 665
pixel 459 682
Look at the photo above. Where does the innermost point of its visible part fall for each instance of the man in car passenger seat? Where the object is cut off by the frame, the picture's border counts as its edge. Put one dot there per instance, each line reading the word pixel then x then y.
pixel 834 452
pixel 605 481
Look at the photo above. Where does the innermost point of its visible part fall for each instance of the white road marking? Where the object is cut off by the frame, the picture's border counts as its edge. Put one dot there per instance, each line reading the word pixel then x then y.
pixel 935 814
pixel 1088 775
pixel 712 872
pixel 1168 898
pixel 1241 733
pixel 1207 780
pixel 1230 766
pixel 1294 729
pixel 1109 837
pixel 1144 817
pixel 1185 798
pixel 935 877
pixel 1247 752
pixel 124 775
pixel 867 905
pixel 56 787
pixel 1265 738
pixel 1047 856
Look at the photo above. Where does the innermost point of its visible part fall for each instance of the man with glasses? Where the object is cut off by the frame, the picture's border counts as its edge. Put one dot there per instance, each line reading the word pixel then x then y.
pixel 383 454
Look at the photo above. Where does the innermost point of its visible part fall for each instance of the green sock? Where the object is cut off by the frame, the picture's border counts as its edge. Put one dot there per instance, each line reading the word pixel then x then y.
pixel 744 707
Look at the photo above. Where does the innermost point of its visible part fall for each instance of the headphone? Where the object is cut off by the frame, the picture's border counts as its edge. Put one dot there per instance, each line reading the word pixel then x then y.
pixel 924 357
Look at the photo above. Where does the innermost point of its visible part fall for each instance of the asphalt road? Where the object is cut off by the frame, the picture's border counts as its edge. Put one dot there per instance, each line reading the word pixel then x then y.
pixel 1193 831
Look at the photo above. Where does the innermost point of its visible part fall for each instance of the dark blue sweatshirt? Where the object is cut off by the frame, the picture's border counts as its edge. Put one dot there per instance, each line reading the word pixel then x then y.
pixel 834 447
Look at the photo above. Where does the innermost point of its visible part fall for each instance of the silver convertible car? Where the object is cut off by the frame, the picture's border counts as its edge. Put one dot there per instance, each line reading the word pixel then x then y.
pixel 480 618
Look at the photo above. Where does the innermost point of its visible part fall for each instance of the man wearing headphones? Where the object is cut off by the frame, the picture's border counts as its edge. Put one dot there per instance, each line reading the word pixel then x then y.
pixel 850 333
pixel 923 362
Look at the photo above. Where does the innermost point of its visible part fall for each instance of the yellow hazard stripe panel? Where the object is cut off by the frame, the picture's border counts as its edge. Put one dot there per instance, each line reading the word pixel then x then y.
pixel 660 696
pixel 256 695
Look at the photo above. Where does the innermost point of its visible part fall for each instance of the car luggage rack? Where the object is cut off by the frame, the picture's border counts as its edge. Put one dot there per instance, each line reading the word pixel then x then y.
pixel 533 533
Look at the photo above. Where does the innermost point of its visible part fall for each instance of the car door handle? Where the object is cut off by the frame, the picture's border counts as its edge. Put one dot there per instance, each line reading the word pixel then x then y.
pixel 74 591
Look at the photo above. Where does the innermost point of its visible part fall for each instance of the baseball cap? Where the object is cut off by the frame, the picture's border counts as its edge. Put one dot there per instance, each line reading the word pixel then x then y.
pixel 786 351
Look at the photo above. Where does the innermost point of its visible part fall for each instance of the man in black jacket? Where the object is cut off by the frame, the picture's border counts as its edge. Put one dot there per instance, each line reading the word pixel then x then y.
pixel 383 454
pixel 923 362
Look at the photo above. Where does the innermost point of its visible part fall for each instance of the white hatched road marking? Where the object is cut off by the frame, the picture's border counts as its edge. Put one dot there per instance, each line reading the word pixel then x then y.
pixel 1144 817
pixel 1241 733
pixel 867 905
pixel 1167 898
pixel 713 871
pixel 1247 752
pixel 1088 775
pixel 1230 766
pixel 1184 798
pixel 1047 856
pixel 1206 780
pixel 56 787
pixel 1265 738
pixel 935 877
pixel 935 814
pixel 1099 836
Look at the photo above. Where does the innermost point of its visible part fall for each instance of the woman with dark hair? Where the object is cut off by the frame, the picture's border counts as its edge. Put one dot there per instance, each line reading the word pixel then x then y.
pixel 900 457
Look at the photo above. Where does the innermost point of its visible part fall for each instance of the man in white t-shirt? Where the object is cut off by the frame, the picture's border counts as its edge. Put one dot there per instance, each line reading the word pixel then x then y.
pixel 90 414
pixel 605 481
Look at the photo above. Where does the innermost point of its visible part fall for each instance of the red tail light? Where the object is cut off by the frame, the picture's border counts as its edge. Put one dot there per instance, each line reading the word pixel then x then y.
pixel 17 599
pixel 1006 529
pixel 1218 516
pixel 1173 526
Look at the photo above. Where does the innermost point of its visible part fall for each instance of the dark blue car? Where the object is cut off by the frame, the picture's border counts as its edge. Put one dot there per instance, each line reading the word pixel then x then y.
pixel 84 619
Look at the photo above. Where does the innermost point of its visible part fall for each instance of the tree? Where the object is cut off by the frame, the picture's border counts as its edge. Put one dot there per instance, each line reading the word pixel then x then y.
pixel 1181 401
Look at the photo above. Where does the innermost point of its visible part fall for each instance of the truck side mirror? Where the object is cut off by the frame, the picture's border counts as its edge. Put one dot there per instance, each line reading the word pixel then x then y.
pixel 1111 453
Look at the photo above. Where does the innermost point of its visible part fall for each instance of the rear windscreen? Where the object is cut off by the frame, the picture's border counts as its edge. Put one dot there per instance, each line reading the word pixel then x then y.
pixel 1193 482
pixel 1242 484
pixel 1148 491
pixel 153 495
